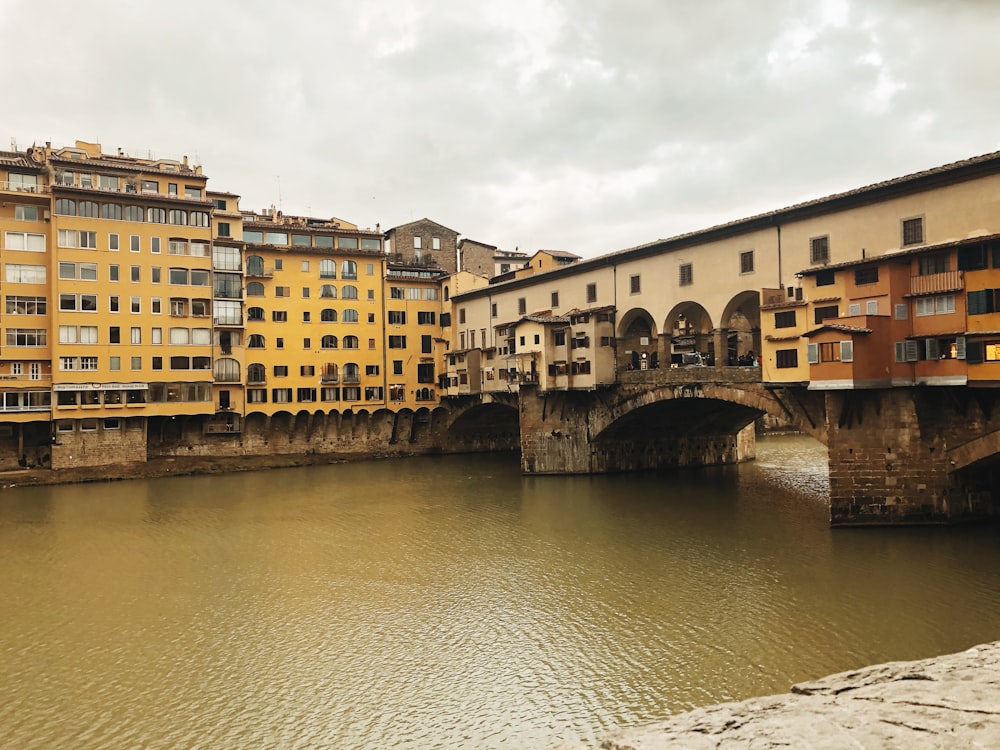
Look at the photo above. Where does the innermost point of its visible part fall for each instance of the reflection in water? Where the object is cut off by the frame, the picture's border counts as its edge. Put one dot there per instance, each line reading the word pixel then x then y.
pixel 451 602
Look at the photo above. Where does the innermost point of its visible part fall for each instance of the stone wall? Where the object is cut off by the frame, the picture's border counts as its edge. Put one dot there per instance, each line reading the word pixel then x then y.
pixel 97 447
pixel 890 456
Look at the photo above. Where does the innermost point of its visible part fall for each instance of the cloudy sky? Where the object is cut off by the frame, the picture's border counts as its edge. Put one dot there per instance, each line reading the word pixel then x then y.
pixel 588 126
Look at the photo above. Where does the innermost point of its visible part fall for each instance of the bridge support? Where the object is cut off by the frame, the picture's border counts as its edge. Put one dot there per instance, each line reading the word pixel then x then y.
pixel 892 456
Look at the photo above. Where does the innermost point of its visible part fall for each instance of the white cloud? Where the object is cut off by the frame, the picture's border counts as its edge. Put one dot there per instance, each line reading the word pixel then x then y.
pixel 538 123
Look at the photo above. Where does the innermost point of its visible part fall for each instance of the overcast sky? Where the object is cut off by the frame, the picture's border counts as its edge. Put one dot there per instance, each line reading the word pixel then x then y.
pixel 586 126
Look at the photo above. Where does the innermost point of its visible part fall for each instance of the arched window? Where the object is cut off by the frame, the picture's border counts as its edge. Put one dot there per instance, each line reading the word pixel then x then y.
pixel 65 207
pixel 352 373
pixel 133 213
pixel 348 291
pixel 256 373
pixel 255 289
pixel 255 313
pixel 111 211
pixel 350 342
pixel 88 208
pixel 199 218
pixel 156 215
pixel 256 341
pixel 328 269
pixel 255 266
pixel 178 216
pixel 328 291
pixel 328 342
pixel 329 315
pixel 226 370
pixel 350 316
pixel 446 294
pixel 348 269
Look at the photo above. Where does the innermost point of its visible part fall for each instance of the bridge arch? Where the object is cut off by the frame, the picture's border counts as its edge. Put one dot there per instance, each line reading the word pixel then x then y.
pixel 980 450
pixel 484 426
pixel 638 342
pixel 740 324
pixel 688 328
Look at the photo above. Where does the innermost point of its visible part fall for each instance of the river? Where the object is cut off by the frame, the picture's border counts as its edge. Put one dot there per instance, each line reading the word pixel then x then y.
pixel 450 602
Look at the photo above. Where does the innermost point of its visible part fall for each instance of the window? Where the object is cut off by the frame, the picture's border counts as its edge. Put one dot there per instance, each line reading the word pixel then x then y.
pixel 913 231
pixel 940 304
pixel 785 358
pixel 351 342
pixel 282 291
pixel 900 311
pixel 397 317
pixel 823 313
pixel 348 270
pixel 784 319
pixel 426 344
pixel 686 274
pixel 819 250
pixel 435 243
pixel 634 284
pixel 746 262
pixel 591 292
pixel 222 228
pixel 417 243
pixel 397 342
pixel 26 213
pixel 867 275
pixel 983 301
pixel 18 305
pixel 26 337
pixel 928 265
pixel 871 307
pixel 78 239
pixel 27 241
pixel 972 258
pixel 348 291
pixel 279 316
pixel 24 274
pixel 426 318
pixel 349 316
pixel 825 278
pixel 833 351
pixel 136 335
pixel 255 289
pixel 134 273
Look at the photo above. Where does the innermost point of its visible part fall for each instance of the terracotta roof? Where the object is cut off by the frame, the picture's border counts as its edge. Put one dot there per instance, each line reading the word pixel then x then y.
pixel 785 303
pixel 904 254
pixel 19 160
pixel 837 327
pixel 782 338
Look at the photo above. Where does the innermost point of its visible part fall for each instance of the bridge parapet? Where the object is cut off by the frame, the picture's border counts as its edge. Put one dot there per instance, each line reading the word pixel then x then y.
pixel 685 375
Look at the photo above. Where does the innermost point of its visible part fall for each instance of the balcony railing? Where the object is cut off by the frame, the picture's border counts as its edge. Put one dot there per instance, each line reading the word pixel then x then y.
pixel 324 378
pixel 17 187
pixel 934 283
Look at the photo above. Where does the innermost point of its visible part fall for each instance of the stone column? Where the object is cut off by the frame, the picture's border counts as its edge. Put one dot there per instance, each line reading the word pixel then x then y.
pixel 720 339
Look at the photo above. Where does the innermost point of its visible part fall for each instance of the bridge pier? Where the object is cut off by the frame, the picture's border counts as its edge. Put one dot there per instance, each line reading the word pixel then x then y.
pixel 892 455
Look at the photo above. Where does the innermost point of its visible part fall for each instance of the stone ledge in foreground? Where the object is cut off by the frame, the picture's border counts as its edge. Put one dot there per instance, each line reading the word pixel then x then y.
pixel 945 702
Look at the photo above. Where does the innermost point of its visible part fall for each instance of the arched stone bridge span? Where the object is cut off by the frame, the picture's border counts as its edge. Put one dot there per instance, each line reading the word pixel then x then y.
pixel 652 419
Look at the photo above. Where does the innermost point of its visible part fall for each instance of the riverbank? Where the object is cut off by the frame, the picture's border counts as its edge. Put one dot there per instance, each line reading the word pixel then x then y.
pixel 173 467
pixel 950 701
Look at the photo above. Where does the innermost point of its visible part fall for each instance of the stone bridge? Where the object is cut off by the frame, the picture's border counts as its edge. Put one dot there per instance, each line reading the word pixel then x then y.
pixel 896 455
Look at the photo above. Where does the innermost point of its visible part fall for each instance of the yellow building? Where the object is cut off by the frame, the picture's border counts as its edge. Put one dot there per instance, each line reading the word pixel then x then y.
pixel 314 322
pixel 412 339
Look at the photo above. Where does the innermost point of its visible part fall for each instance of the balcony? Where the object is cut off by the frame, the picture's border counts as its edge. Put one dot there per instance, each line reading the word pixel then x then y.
pixel 325 378
pixel 352 380
pixel 17 187
pixel 937 283
pixel 259 273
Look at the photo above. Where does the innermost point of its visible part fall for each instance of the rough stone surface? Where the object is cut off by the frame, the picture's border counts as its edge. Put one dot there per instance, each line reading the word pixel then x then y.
pixel 946 702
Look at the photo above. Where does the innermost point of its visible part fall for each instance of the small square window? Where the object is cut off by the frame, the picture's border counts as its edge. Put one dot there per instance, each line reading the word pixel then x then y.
pixel 913 231
pixel 686 274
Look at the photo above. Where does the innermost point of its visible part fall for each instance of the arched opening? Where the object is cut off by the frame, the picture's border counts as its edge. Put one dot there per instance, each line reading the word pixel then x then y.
pixel 638 343
pixel 740 328
pixel 486 427
pixel 688 329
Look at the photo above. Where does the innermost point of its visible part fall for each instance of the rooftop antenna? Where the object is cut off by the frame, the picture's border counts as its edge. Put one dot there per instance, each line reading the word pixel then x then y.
pixel 278 178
